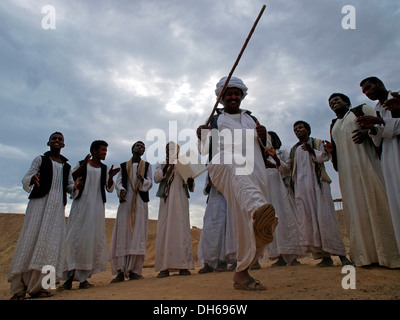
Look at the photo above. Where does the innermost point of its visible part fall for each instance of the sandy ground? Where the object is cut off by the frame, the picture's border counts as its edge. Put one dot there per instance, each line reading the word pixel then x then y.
pixel 302 282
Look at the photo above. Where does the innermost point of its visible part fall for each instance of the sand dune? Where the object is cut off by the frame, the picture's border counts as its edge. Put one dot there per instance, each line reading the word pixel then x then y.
pixel 305 282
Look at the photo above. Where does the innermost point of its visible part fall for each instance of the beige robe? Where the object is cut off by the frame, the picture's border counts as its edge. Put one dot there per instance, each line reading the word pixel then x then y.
pixel 43 235
pixel 366 209
pixel 319 231
pixel 128 247
pixel 243 185
pixel 173 243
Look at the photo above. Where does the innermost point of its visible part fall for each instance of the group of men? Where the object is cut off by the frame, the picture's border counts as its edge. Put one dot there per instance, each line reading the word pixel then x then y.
pixel 364 150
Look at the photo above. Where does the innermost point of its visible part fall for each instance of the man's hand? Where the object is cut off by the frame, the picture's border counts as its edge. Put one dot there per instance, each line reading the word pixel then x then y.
pixel 113 172
pixel 392 103
pixel 307 147
pixel 368 122
pixel 359 136
pixel 111 175
pixel 139 177
pixel 199 132
pixel 35 180
pixel 190 182
pixel 122 196
pixel 78 184
pixel 261 132
pixel 328 146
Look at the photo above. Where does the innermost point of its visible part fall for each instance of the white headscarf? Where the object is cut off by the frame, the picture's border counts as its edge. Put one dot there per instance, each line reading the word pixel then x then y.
pixel 234 82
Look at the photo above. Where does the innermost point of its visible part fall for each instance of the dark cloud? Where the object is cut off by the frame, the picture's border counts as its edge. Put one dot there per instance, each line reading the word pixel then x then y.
pixel 115 70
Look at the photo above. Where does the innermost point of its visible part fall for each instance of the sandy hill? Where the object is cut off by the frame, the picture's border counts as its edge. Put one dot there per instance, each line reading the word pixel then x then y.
pixel 11 225
pixel 304 282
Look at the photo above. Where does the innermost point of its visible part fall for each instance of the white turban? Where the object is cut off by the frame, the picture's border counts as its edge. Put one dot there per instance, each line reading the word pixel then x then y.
pixel 233 83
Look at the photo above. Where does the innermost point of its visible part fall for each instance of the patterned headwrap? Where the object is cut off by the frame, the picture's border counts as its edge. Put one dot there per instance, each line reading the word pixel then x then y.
pixel 234 82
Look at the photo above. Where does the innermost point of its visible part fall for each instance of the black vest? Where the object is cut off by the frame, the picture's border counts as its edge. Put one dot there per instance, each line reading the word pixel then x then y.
pixel 102 180
pixel 46 178
pixel 143 194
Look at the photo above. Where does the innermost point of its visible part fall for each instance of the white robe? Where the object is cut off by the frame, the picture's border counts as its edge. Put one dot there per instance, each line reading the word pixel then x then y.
pixel 318 226
pixel 42 238
pixel 389 134
pixel 217 243
pixel 86 248
pixel 286 234
pixel 243 185
pixel 173 242
pixel 365 205
pixel 128 247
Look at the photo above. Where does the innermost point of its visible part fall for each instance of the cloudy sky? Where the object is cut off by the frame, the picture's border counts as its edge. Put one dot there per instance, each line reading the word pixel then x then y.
pixel 122 70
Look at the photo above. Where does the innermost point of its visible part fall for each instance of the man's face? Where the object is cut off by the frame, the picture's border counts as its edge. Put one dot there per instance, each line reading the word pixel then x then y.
pixel 300 131
pixel 101 153
pixel 138 149
pixel 232 99
pixel 56 141
pixel 371 90
pixel 337 104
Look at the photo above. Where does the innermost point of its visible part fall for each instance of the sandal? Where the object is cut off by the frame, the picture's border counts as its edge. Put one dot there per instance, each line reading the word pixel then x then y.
pixel 279 263
pixel 41 294
pixel 249 285
pixel 184 272
pixel 264 223
pixel 346 262
pixel 206 269
pixel 163 274
pixel 134 276
pixel 66 286
pixel 119 278
pixel 85 285
pixel 18 296
pixel 326 262
pixel 232 267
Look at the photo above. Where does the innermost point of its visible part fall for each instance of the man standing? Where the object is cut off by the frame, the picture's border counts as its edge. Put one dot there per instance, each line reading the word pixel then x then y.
pixel 129 238
pixel 42 238
pixel 86 238
pixel 318 226
pixel 385 131
pixel 217 246
pixel 242 186
pixel 174 242
pixel 365 204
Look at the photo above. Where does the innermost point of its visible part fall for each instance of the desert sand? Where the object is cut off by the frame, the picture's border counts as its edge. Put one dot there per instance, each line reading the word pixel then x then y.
pixel 302 282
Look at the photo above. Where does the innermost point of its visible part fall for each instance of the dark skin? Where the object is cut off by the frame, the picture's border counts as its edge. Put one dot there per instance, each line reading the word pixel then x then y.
pixel 94 160
pixel 137 153
pixel 392 103
pixel 303 134
pixel 231 101
pixel 208 187
pixel 374 92
pixel 340 107
pixel 56 143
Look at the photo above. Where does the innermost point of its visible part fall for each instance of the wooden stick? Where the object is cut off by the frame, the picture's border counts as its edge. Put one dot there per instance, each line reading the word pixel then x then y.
pixel 235 65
